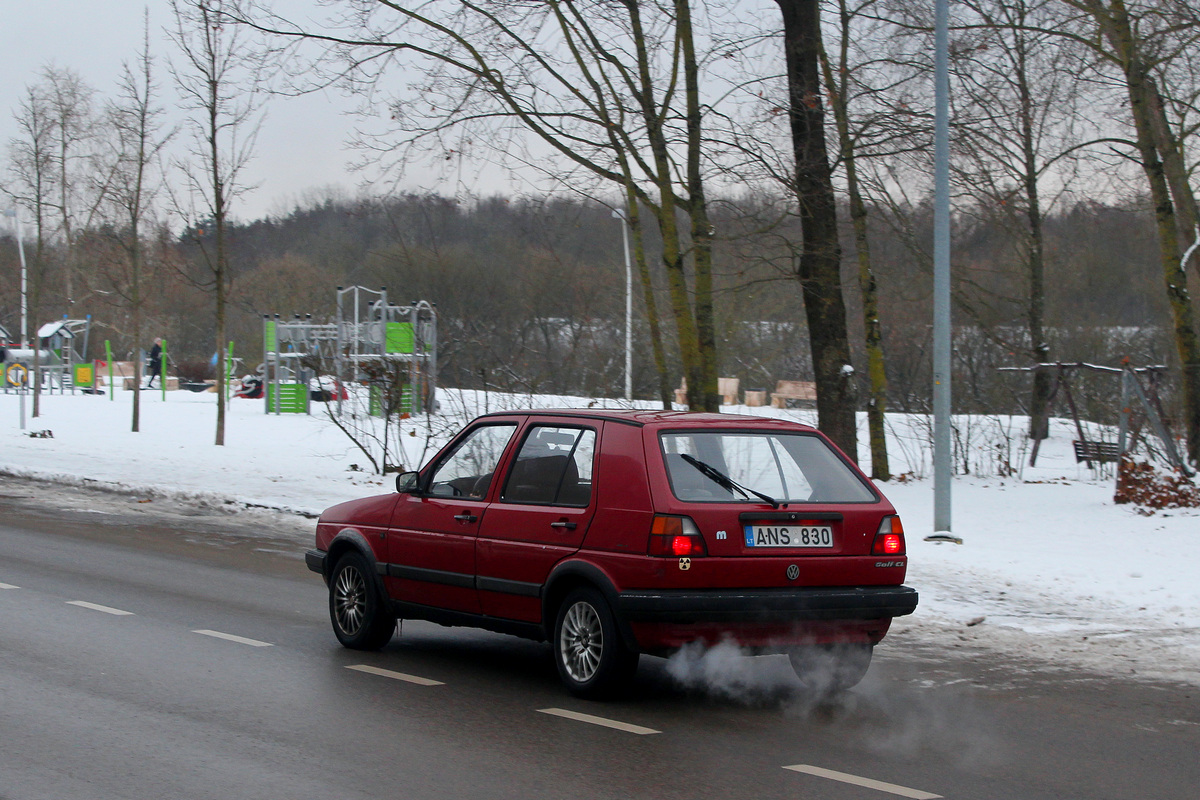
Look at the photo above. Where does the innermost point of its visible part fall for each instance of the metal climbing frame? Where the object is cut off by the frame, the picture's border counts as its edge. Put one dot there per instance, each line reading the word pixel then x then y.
pixel 366 329
pixel 291 348
pixel 371 329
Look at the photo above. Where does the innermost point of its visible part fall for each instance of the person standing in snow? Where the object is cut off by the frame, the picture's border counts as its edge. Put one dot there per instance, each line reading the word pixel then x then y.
pixel 154 363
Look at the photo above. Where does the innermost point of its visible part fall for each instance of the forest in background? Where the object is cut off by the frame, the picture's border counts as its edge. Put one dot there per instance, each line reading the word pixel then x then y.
pixel 531 294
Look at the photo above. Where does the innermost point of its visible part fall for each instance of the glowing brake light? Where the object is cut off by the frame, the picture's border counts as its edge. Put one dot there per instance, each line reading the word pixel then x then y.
pixel 675 537
pixel 889 540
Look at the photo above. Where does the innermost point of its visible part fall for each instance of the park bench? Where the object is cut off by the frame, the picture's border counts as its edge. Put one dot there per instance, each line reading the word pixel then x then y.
pixel 1102 452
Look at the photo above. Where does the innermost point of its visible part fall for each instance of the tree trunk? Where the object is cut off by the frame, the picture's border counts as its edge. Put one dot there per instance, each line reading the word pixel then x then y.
pixel 873 332
pixel 663 379
pixel 220 267
pixel 819 268
pixel 135 300
pixel 703 393
pixel 1039 401
pixel 692 328
pixel 1170 150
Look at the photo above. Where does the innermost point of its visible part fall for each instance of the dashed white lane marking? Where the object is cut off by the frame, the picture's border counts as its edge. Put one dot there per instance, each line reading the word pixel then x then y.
pixel 94 607
pixel 396 676
pixel 229 637
pixel 8 586
pixel 902 791
pixel 607 723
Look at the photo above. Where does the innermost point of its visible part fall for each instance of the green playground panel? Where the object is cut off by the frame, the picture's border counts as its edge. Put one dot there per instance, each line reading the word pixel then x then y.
pixel 293 398
pixel 400 337
pixel 375 406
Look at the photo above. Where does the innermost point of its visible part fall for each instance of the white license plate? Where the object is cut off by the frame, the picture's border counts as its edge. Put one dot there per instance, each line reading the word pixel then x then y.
pixel 789 536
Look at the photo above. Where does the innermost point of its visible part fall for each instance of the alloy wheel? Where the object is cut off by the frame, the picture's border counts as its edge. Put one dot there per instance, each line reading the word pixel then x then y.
pixel 581 642
pixel 350 600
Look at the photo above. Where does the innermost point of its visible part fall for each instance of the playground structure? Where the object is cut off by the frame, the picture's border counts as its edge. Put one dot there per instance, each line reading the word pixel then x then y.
pixel 62 360
pixel 368 337
pixel 1140 406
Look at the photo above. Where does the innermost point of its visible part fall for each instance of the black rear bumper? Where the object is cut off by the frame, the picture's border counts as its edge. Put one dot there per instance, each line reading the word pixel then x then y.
pixel 767 605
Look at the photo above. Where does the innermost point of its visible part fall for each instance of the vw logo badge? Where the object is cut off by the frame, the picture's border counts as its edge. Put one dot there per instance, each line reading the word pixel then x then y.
pixel 793 572
pixel 685 564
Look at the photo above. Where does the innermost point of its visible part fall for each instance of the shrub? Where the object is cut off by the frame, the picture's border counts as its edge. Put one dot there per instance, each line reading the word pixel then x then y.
pixel 1142 484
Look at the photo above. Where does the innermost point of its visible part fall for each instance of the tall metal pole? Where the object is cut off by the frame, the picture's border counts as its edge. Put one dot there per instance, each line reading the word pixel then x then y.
pixel 621 215
pixel 942 471
pixel 24 284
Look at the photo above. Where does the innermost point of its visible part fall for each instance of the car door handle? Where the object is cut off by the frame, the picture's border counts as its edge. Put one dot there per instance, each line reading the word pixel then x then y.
pixel 568 525
pixel 465 517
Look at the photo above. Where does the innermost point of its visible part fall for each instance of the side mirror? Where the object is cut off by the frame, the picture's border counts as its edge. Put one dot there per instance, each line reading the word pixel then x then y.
pixel 408 482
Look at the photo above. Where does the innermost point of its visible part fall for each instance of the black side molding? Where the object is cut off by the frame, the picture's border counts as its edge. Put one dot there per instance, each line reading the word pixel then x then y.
pixel 449 618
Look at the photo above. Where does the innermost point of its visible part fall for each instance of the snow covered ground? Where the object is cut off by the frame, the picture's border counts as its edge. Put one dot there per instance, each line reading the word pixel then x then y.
pixel 1050 571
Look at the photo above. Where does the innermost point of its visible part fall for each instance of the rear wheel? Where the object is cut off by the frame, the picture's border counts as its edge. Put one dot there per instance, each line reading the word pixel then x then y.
pixel 591 658
pixel 830 669
pixel 361 619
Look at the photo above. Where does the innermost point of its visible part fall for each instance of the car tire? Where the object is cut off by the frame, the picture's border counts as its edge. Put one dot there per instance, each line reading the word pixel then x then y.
pixel 360 616
pixel 593 660
pixel 827 670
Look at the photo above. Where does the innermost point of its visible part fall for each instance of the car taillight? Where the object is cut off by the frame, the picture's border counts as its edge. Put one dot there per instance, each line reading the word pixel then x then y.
pixel 889 540
pixel 675 536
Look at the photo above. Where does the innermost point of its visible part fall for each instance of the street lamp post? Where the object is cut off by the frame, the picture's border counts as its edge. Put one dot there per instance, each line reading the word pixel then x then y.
pixel 12 212
pixel 942 467
pixel 620 214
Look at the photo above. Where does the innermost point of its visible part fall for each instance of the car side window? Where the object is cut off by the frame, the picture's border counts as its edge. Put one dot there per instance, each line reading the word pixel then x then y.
pixel 467 472
pixel 553 467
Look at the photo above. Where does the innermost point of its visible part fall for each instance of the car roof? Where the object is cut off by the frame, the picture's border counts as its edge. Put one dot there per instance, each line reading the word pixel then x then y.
pixel 660 418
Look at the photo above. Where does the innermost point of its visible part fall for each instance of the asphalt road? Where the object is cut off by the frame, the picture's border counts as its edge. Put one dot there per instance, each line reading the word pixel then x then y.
pixel 164 655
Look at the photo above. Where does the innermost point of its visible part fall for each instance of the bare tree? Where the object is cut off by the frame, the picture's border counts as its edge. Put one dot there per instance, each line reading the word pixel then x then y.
pixel 1018 131
pixel 856 77
pixel 80 186
pixel 31 166
pixel 610 92
pixel 1138 41
pixel 217 75
pixel 819 268
pixel 138 137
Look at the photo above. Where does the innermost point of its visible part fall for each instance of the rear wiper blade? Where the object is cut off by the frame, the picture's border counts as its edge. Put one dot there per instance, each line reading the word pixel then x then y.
pixel 726 482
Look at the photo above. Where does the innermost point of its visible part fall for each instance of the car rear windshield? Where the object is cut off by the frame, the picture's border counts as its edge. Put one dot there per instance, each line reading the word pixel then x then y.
pixel 788 467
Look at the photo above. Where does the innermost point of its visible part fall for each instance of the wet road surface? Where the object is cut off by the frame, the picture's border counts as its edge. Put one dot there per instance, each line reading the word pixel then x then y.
pixel 149 652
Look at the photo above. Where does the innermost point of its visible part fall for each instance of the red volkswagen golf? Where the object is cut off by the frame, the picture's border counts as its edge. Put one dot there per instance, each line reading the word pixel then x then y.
pixel 616 533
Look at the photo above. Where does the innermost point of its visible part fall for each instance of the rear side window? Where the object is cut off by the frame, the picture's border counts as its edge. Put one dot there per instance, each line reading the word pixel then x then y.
pixel 553 467
pixel 791 468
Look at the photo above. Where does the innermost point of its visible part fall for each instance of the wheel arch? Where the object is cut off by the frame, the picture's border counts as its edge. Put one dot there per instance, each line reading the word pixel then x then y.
pixel 352 540
pixel 573 574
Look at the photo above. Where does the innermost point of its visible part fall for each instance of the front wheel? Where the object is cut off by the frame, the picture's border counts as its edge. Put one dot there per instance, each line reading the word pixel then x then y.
pixel 591 658
pixel 831 669
pixel 361 620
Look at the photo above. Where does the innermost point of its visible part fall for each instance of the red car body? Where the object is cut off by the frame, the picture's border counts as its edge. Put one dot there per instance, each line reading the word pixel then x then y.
pixel 657 548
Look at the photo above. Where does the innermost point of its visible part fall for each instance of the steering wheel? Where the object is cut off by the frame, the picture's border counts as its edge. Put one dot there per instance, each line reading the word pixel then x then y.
pixel 480 487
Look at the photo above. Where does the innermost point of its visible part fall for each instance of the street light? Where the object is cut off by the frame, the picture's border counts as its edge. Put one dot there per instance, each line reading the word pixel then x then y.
pixel 942 467
pixel 12 212
pixel 620 214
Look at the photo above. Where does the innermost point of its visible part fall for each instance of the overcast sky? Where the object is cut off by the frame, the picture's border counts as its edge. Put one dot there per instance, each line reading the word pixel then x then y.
pixel 301 145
